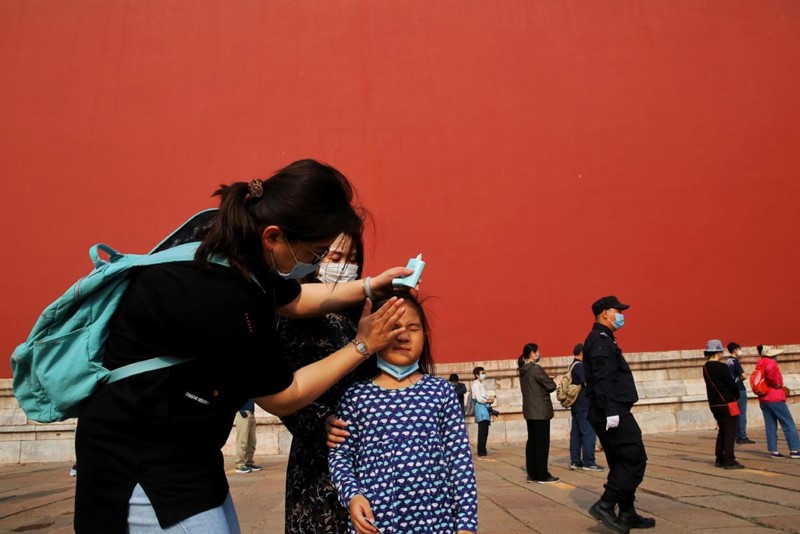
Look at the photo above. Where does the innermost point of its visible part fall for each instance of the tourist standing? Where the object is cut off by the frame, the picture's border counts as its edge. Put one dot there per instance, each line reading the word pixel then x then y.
pixel 721 391
pixel 537 408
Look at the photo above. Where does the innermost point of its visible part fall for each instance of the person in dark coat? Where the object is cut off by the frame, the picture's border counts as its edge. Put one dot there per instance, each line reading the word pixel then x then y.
pixel 537 408
pixel 461 390
pixel 721 389
pixel 612 394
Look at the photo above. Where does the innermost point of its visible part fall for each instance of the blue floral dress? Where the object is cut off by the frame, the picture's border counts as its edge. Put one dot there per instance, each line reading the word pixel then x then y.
pixel 409 455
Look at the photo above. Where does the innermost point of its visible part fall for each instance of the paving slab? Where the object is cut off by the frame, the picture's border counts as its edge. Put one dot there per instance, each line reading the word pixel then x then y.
pixel 785 523
pixel 737 506
pixel 682 490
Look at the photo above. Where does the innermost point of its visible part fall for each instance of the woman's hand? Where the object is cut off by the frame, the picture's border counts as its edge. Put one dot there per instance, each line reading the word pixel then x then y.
pixel 335 430
pixel 360 511
pixel 381 285
pixel 378 329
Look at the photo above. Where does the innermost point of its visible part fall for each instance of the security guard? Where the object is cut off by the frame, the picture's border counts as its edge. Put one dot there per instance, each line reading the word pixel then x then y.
pixel 612 394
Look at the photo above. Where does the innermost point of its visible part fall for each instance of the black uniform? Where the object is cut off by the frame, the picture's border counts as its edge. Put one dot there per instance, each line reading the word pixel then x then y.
pixel 611 391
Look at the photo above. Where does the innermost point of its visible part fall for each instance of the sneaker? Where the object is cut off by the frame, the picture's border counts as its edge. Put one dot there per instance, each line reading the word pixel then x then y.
pixel 718 463
pixel 594 467
pixel 549 480
pixel 529 479
pixel 794 455
pixel 576 467
pixel 734 465
pixel 776 454
pixel 73 471
pixel 243 470
pixel 254 467
pixel 745 441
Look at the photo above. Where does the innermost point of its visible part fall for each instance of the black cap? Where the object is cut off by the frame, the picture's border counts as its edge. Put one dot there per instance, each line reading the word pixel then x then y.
pixel 607 303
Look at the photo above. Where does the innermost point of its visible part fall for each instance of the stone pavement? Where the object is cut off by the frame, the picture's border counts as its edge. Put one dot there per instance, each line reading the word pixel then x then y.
pixel 682 490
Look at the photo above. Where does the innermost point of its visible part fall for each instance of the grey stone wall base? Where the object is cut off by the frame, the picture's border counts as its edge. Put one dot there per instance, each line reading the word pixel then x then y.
pixel 670 384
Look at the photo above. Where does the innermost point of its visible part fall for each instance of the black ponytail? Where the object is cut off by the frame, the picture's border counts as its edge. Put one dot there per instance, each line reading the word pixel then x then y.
pixel 307 200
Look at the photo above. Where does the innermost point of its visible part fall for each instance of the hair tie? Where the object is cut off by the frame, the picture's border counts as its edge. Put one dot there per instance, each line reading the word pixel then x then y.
pixel 255 189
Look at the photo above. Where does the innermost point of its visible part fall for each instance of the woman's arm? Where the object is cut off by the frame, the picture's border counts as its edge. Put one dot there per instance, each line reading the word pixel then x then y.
pixel 319 299
pixel 773 376
pixel 547 383
pixel 376 330
pixel 479 392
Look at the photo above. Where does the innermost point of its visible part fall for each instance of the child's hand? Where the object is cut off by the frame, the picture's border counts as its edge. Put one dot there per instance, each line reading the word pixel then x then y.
pixel 359 510
pixel 377 329
pixel 335 429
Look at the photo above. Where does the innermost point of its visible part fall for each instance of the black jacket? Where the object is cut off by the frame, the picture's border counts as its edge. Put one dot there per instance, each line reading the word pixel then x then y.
pixel 720 387
pixel 609 380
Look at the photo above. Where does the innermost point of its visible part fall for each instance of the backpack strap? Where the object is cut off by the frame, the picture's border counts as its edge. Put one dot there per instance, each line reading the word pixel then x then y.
pixel 179 253
pixel 144 366
pixel 569 371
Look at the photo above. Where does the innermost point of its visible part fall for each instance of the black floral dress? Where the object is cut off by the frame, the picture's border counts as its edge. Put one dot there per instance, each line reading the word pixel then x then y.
pixel 312 506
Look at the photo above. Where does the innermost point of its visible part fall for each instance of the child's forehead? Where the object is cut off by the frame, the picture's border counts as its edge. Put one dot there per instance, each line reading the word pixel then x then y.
pixel 411 315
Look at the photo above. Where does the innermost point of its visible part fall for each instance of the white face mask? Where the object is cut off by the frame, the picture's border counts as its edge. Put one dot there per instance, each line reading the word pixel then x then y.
pixel 482 376
pixel 331 273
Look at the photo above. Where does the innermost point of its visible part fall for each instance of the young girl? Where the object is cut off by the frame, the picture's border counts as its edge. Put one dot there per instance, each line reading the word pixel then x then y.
pixel 406 465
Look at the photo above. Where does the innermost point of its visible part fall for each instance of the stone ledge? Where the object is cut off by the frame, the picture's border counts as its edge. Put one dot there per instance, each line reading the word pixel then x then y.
pixel 672 391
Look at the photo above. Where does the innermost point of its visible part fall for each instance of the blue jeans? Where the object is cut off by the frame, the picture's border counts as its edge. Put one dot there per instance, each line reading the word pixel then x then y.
pixel 142 518
pixel 582 438
pixel 775 412
pixel 741 433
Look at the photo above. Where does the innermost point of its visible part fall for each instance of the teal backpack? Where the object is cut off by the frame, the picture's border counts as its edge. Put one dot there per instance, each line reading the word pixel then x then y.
pixel 61 363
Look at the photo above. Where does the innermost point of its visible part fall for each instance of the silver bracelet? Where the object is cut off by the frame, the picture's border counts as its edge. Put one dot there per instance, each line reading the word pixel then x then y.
pixel 368 289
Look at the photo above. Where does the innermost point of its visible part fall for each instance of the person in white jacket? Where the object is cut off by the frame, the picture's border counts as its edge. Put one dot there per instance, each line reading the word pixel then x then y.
pixel 482 410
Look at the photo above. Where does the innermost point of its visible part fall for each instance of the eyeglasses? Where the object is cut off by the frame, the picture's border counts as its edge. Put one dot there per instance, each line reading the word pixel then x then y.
pixel 317 257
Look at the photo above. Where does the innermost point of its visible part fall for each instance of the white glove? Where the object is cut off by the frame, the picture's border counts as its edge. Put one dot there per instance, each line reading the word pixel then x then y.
pixel 612 421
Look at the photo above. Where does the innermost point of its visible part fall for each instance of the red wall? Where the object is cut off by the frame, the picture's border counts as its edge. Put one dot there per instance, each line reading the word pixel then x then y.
pixel 540 154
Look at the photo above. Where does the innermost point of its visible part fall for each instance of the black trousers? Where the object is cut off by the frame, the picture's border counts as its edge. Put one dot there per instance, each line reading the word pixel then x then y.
pixel 625 455
pixel 537 449
pixel 483 434
pixel 728 426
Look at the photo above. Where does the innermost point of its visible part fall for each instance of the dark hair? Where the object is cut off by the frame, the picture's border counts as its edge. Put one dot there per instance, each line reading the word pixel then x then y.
pixel 453 377
pixel 759 349
pixel 578 349
pixel 426 357
pixel 477 371
pixel 733 346
pixel 709 353
pixel 307 200
pixel 527 350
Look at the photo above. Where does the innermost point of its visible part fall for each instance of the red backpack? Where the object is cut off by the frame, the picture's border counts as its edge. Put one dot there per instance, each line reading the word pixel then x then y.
pixel 758 383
